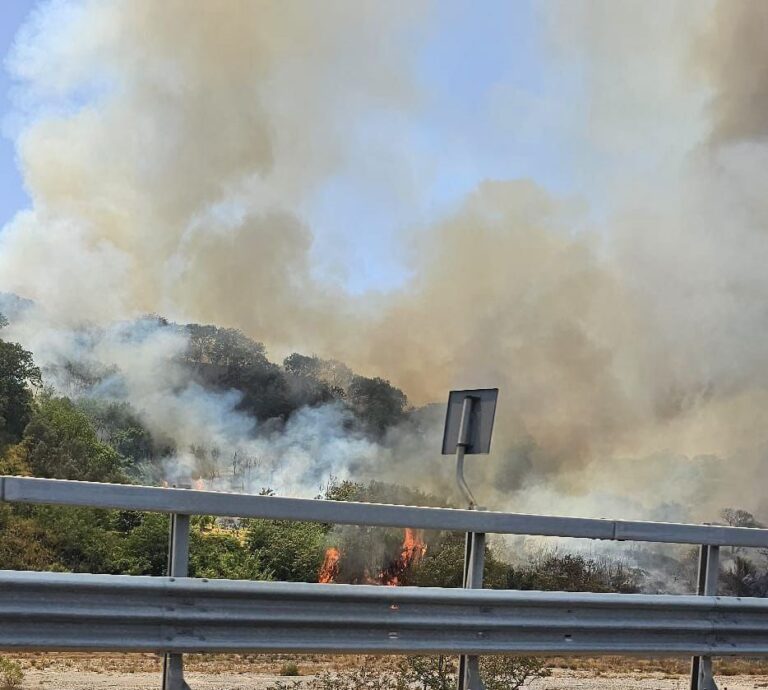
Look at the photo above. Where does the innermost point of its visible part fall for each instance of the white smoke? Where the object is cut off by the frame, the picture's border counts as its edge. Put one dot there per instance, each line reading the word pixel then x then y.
pixel 171 150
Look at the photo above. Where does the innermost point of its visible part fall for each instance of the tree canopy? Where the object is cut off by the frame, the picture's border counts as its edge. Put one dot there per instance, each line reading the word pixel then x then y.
pixel 60 442
pixel 18 376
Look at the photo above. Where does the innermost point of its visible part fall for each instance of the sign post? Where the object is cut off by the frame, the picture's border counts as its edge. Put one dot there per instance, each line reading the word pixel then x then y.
pixel 468 429
pixel 178 566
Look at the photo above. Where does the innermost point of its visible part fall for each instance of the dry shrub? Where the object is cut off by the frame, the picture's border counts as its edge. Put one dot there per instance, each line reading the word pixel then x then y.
pixel 425 673
pixel 11 674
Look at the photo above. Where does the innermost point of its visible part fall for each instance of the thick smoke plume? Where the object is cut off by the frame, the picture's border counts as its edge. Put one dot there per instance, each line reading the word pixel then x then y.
pixel 171 151
pixel 736 60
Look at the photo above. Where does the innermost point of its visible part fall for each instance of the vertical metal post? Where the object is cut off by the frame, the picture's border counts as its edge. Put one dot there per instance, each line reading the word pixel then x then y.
pixel 178 566
pixel 474 549
pixel 707 679
pixel 709 571
pixel 462 671
pixel 700 580
pixel 461 449
pixel 472 680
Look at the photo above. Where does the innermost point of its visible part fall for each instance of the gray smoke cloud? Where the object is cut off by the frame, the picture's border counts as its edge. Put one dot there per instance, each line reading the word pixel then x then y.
pixel 170 150
pixel 735 60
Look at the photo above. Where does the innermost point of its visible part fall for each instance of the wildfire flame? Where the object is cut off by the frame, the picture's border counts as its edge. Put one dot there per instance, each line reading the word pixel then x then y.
pixel 330 568
pixel 198 484
pixel 411 552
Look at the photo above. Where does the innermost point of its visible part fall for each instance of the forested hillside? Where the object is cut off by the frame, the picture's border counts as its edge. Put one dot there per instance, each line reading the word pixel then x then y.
pixel 108 437
pixel 94 435
pixel 99 438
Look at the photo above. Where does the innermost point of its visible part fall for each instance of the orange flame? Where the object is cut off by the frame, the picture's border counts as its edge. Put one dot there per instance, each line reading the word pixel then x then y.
pixel 330 568
pixel 412 551
pixel 198 484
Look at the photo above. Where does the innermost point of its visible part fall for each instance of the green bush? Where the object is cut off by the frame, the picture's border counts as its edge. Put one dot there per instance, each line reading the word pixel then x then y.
pixel 511 672
pixel 144 549
pixel 289 669
pixel 290 551
pixel 574 573
pixel 430 672
pixel 11 674
pixel 60 442
pixel 79 537
pixel 18 376
pixel 221 554
pixel 425 673
pixel 497 672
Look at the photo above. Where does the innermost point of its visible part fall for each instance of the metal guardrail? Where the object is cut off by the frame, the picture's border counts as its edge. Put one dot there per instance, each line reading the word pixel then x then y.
pixel 47 611
pixel 44 611
pixel 191 502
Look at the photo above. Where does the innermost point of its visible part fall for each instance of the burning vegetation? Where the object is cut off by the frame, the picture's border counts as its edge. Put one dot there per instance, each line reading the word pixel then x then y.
pixel 329 571
pixel 411 552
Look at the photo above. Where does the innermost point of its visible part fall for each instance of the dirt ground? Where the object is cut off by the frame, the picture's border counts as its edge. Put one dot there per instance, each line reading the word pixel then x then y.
pixel 560 680
pixel 254 672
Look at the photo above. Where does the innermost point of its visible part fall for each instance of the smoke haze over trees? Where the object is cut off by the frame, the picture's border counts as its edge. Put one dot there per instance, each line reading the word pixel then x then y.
pixel 95 437
pixel 203 163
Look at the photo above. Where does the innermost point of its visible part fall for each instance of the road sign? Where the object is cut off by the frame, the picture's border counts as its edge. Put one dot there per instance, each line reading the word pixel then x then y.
pixel 477 437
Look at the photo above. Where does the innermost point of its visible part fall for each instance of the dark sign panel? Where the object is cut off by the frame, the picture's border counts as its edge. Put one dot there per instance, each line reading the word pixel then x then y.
pixel 483 410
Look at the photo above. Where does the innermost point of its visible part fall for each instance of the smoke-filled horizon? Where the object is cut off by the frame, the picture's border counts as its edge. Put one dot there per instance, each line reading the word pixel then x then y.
pixel 207 162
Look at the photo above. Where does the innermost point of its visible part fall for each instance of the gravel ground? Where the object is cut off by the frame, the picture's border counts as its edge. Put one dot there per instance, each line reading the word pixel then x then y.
pixel 560 680
pixel 89 680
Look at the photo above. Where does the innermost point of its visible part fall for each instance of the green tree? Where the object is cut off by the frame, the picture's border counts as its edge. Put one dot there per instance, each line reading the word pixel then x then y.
pixel 60 442
pixel 18 376
pixel 118 424
pixel 144 549
pixel 302 365
pixel 14 462
pixel 743 578
pixel 81 538
pixel 317 380
pixel 345 490
pixel 377 403
pixel 223 347
pixel 736 517
pixel 227 359
pixel 291 551
pixel 22 543
pixel 573 573
pixel 443 565
pixel 219 553
pixel 379 492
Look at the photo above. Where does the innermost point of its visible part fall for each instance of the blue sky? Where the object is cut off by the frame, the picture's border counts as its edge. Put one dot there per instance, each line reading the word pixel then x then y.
pixel 483 71
pixel 12 195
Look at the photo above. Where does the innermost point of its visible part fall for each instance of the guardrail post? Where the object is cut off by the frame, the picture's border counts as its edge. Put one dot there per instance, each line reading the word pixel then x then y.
pixel 178 566
pixel 474 580
pixel 709 571
pixel 462 670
